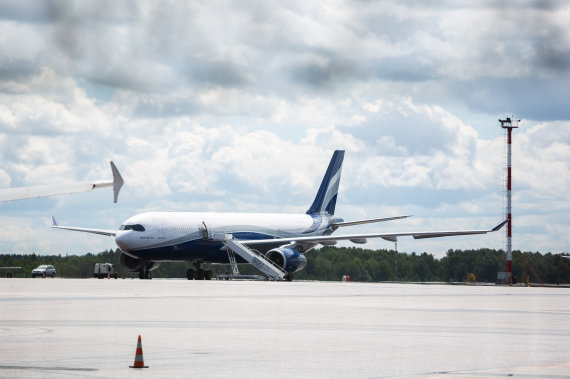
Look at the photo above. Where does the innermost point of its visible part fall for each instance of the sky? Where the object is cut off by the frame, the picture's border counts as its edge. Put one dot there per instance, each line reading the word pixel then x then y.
pixel 238 106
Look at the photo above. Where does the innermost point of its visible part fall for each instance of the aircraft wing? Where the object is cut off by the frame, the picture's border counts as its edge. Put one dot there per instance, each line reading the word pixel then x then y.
pixel 360 238
pixel 104 232
pixel 19 193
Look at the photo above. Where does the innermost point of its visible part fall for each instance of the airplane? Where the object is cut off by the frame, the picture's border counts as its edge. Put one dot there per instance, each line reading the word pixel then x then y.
pixel 275 244
pixel 20 193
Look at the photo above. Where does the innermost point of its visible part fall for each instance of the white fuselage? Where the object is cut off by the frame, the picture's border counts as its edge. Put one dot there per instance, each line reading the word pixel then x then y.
pixel 164 236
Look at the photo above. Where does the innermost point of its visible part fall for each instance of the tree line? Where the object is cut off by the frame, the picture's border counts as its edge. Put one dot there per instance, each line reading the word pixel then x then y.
pixel 331 263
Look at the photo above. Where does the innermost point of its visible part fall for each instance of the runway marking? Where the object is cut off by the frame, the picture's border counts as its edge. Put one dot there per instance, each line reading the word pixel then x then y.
pixel 20 331
pixel 56 368
pixel 551 371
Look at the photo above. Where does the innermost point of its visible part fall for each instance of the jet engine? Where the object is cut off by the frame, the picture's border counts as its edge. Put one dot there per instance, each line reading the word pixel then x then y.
pixel 131 264
pixel 288 259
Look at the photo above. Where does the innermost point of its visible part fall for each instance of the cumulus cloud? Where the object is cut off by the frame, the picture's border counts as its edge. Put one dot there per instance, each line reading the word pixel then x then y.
pixel 4 179
pixel 225 106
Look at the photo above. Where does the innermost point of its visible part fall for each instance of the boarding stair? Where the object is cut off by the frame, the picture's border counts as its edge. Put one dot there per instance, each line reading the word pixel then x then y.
pixel 232 258
pixel 251 256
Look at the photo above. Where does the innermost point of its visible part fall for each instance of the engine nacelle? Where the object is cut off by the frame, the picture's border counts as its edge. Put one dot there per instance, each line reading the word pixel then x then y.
pixel 131 264
pixel 288 259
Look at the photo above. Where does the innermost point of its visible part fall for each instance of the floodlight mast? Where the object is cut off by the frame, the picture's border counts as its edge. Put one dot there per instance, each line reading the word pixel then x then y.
pixel 509 125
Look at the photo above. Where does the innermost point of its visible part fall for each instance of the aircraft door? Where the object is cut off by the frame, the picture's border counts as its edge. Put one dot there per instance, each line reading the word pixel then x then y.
pixel 204 230
pixel 161 235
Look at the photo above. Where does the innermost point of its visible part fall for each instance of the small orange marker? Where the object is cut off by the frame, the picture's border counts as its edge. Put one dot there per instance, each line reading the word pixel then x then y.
pixel 139 361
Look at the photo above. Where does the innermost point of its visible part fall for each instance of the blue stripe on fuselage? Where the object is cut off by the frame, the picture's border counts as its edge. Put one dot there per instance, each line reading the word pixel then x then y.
pixel 203 250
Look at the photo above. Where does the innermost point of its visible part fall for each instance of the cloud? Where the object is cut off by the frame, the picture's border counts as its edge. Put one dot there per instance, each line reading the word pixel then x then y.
pixel 542 155
pixel 4 179
pixel 225 106
pixel 532 98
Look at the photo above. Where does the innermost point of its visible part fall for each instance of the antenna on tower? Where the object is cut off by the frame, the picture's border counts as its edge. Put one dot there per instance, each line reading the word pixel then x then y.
pixel 509 124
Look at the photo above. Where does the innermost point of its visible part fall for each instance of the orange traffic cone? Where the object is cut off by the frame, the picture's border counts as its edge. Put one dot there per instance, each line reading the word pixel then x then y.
pixel 108 275
pixel 139 361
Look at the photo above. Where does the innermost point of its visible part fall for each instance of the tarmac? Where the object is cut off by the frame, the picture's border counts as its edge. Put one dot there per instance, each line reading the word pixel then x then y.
pixel 88 328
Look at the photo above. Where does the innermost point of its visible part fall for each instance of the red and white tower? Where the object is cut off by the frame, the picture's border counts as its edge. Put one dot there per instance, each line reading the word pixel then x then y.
pixel 509 125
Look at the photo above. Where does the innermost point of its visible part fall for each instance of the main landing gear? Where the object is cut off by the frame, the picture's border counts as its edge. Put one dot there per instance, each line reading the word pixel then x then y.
pixel 144 272
pixel 198 273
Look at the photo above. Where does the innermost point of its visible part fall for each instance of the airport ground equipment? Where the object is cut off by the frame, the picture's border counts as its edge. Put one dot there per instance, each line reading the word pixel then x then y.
pixel 235 271
pixel 233 264
pixel 104 270
pixel 504 277
pixel 257 260
pixel 509 125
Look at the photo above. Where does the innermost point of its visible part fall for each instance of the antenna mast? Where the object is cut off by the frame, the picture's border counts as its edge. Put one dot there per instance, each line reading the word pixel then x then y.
pixel 509 125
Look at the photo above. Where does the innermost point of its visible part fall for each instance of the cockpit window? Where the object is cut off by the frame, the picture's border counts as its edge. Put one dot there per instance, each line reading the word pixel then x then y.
pixel 135 227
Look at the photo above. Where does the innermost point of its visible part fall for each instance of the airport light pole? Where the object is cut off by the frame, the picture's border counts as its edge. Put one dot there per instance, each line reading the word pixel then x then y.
pixel 509 125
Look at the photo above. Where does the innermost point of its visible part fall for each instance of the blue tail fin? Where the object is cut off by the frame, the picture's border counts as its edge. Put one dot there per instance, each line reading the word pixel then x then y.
pixel 325 201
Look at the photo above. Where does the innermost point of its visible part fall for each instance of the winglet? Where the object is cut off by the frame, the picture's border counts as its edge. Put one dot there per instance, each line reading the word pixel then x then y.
pixel 117 181
pixel 498 227
pixel 53 222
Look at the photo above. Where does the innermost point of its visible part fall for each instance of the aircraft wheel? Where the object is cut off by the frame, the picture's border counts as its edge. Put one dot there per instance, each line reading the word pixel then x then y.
pixel 200 274
pixel 148 276
pixel 208 274
pixel 190 274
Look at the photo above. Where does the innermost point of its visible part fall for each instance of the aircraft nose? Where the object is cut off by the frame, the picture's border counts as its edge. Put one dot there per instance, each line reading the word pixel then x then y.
pixel 121 239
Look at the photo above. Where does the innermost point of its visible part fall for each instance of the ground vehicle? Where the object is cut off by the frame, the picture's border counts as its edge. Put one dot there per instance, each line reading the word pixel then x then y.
pixel 47 270
pixel 104 270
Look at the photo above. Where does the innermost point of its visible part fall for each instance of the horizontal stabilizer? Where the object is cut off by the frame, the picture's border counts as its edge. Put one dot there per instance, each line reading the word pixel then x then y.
pixel 369 221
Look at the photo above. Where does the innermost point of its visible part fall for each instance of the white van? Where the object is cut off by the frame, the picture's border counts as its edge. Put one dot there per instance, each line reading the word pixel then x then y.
pixel 104 270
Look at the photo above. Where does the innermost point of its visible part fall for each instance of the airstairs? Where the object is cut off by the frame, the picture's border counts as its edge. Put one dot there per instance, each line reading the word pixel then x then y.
pixel 232 258
pixel 255 259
